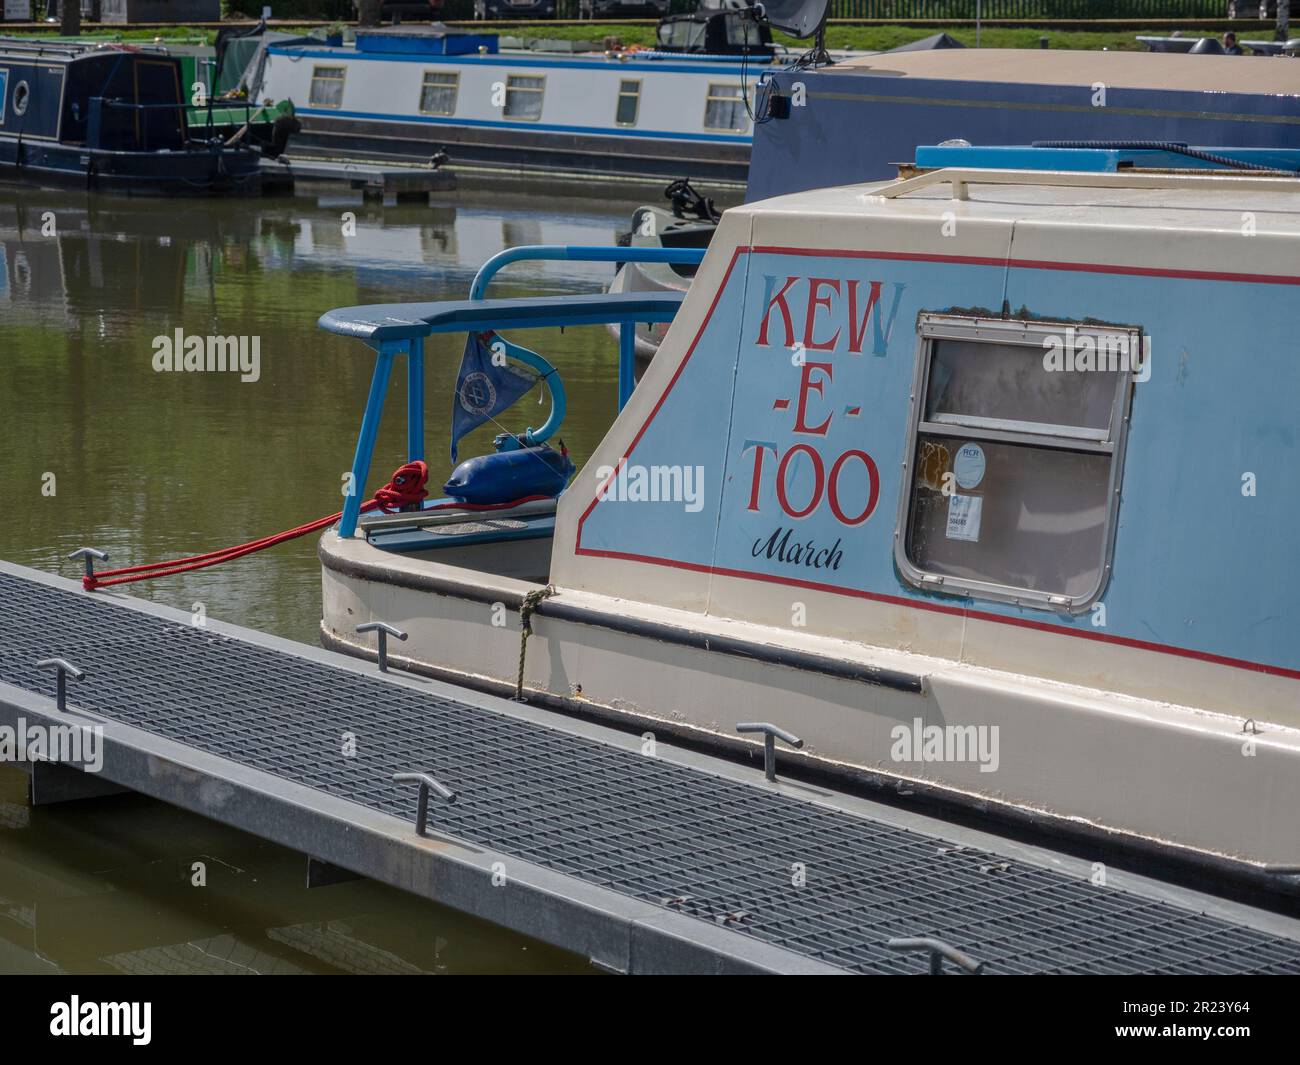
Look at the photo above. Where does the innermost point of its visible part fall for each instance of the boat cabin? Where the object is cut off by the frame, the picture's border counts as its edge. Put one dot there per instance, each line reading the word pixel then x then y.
pixel 1006 452
pixel 112 116
pixel 116 97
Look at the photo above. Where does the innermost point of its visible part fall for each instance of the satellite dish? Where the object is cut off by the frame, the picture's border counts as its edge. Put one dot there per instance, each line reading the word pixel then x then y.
pixel 799 18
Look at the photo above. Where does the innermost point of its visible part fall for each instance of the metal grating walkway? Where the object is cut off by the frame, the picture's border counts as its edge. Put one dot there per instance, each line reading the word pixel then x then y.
pixel 713 848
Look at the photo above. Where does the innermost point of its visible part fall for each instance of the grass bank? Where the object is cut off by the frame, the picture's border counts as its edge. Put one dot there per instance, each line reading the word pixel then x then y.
pixel 870 38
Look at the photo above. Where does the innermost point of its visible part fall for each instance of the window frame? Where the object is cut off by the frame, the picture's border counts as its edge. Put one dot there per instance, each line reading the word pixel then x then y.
pixel 541 95
pixel 742 100
pixel 311 85
pixel 454 86
pixel 931 327
pixel 618 99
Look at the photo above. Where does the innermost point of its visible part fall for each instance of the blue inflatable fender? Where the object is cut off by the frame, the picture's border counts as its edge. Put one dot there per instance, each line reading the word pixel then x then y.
pixel 509 475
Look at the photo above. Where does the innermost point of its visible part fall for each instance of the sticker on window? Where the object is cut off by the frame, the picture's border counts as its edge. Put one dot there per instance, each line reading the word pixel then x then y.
pixel 964 517
pixel 968 466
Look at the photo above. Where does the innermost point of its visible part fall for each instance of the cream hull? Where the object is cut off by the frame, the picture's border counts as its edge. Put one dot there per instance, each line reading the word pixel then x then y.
pixel 1171 774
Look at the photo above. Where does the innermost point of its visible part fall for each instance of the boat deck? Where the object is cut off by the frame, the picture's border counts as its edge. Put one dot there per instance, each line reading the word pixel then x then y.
pixel 671 862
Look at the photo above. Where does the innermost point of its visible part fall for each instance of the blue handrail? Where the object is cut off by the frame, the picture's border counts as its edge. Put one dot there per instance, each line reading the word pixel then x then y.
pixel 591 254
pixel 398 329
pixel 581 254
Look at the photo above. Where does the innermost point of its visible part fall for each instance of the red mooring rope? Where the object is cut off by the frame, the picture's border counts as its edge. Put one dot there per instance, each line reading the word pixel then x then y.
pixel 405 489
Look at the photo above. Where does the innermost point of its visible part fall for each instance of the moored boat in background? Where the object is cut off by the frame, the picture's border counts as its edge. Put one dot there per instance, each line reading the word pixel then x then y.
pixel 114 118
pixel 558 107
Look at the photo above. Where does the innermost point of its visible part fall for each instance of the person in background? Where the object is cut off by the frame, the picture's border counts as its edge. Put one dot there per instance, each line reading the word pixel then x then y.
pixel 1230 45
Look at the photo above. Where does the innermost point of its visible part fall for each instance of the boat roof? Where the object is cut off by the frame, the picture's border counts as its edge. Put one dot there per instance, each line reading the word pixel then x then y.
pixel 1183 201
pixel 1208 226
pixel 1133 70
pixel 67 51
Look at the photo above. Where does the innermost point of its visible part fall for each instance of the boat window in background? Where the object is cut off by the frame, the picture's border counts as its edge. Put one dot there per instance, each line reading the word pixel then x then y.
pixel 327 86
pixel 725 108
pixel 629 103
pixel 438 92
pixel 744 32
pixel 524 97
pixel 1016 443
pixel 683 35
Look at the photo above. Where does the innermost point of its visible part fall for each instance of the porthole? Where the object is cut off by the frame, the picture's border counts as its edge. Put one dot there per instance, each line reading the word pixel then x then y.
pixel 22 96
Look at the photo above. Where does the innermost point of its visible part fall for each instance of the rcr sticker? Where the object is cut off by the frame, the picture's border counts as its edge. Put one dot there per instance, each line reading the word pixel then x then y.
pixel 968 466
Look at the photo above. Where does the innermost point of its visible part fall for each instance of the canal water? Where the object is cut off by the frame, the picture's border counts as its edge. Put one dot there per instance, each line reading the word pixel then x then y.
pixel 99 448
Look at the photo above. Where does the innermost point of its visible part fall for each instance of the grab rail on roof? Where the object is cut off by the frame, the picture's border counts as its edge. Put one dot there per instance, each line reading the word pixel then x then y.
pixel 962 177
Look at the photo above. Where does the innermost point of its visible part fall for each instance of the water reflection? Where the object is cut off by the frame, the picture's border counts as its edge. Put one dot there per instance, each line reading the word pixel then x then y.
pixel 111 886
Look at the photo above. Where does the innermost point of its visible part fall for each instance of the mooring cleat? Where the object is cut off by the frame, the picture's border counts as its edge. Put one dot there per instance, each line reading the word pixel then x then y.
pixel 90 555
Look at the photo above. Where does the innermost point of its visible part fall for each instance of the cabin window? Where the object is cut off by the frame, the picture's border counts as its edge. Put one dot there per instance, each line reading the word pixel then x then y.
pixel 438 93
pixel 629 103
pixel 1015 451
pixel 327 86
pixel 725 108
pixel 524 97
pixel 22 96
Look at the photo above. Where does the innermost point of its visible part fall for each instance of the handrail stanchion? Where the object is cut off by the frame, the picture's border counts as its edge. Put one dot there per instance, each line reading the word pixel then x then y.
pixel 626 362
pixel 366 438
pixel 415 400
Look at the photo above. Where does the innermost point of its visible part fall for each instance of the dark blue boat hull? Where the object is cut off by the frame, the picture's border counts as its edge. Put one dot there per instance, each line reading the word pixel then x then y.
pixel 192 172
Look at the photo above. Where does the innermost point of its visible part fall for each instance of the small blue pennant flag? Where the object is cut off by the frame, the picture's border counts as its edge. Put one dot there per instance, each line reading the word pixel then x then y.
pixel 484 388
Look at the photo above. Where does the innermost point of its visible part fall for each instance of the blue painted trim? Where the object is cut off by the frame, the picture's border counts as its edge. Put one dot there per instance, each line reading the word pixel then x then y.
pixel 415 400
pixel 626 362
pixel 599 131
pixel 677 66
pixel 1095 160
pixel 401 540
pixel 578 253
pixel 366 440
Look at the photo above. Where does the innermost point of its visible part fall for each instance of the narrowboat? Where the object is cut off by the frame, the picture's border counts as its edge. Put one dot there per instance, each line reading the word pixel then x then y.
pixel 112 118
pixel 974 482
pixel 410 92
